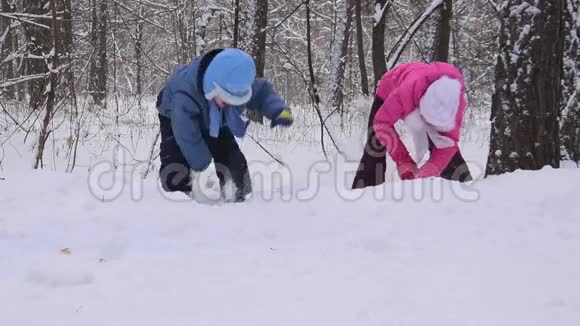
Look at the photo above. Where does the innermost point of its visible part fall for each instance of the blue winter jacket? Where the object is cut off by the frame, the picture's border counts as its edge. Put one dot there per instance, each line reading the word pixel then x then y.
pixel 183 101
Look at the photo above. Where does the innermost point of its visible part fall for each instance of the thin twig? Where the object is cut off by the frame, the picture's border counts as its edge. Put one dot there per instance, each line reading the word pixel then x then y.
pixel 267 152
pixel 151 159
pixel 495 7
pixel 11 117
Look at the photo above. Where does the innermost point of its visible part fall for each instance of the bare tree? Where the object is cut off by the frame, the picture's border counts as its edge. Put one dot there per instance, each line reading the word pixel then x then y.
pixel 378 47
pixel 259 47
pixel 570 103
pixel 205 13
pixel 129 47
pixel 339 51
pixel 443 32
pixel 259 44
pixel 526 102
pixel 236 37
pixel 6 47
pixel 139 51
pixel 360 49
pixel 98 61
pixel 313 87
pixel 37 45
pixel 53 70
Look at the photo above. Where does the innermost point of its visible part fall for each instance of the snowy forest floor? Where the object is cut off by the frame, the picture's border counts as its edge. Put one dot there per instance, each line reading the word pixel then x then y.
pixel 508 258
pixel 88 249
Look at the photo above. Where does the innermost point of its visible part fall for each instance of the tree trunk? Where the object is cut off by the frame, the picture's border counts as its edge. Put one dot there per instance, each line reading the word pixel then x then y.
pixel 194 28
pixel 259 47
pixel 68 23
pixel 139 52
pixel 360 49
pixel 37 44
pixel 19 68
pixel 570 106
pixel 246 24
pixel 53 58
pixel 102 70
pixel 378 49
pixel 526 102
pixel 338 54
pixel 98 69
pixel 6 48
pixel 183 33
pixel 179 35
pixel 67 51
pixel 205 13
pixel 236 23
pixel 443 32
pixel 313 89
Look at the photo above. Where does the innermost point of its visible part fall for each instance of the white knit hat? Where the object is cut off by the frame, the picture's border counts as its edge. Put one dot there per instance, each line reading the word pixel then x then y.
pixel 440 103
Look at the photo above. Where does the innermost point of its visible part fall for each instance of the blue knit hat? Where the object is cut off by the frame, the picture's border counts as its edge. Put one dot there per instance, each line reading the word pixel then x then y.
pixel 230 76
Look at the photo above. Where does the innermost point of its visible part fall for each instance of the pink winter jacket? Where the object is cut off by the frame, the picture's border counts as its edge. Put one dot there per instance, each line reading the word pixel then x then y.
pixel 401 90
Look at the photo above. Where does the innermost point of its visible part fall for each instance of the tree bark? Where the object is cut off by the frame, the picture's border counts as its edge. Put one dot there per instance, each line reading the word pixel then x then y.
pixel 53 79
pixel 259 48
pixel 443 33
pixel 313 89
pixel 236 23
pixel 570 103
pixel 378 47
pixel 6 48
pixel 360 49
pixel 526 102
pixel 139 52
pixel 341 48
pixel 38 43
pixel 98 69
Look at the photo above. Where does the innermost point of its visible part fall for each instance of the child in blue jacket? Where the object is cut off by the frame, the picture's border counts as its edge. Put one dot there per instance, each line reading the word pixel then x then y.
pixel 200 113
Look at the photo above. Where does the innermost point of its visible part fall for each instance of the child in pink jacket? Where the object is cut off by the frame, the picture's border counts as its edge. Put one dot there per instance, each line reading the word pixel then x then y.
pixel 430 100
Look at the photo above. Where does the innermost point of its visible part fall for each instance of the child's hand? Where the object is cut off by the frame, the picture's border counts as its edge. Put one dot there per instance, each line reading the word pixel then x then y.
pixel 428 170
pixel 407 170
pixel 284 119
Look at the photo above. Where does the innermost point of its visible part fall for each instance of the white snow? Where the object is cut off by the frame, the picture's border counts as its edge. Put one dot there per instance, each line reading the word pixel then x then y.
pixel 380 12
pixel 508 256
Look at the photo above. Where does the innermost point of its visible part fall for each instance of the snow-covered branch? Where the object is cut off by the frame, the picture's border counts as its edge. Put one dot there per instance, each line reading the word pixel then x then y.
pixel 16 17
pixel 22 79
pixel 380 11
pixel 396 52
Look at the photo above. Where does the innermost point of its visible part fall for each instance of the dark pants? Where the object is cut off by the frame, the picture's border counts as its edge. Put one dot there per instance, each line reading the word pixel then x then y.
pixel 229 161
pixel 457 169
pixel 373 164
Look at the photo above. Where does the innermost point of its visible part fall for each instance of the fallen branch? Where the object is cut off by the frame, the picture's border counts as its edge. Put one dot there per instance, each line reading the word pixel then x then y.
pixel 151 158
pixel 267 152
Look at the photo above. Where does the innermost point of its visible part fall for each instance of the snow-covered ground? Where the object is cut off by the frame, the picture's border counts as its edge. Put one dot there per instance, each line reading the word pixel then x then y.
pixel 509 256
pixel 101 248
